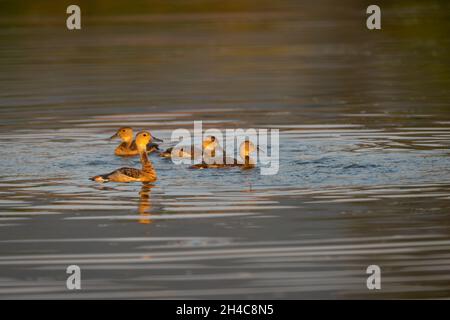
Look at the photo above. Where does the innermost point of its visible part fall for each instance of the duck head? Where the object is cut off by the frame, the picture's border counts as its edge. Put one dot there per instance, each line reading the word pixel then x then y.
pixel 125 134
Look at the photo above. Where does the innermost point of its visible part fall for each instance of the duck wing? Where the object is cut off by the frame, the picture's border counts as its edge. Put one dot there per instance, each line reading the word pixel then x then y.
pixel 120 175
pixel 130 172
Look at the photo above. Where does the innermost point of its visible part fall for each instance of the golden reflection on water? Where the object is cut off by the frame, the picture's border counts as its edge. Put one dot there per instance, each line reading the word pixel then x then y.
pixel 145 204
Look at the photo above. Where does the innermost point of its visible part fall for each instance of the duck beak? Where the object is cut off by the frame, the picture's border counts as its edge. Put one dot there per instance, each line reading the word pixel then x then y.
pixel 157 139
pixel 114 137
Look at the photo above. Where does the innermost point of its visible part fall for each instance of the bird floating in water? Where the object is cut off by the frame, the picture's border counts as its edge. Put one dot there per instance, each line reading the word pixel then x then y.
pixel 128 146
pixel 246 148
pixel 209 144
pixel 146 174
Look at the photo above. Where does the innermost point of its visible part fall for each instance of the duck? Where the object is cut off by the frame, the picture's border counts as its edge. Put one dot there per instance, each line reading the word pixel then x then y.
pixel 146 175
pixel 209 144
pixel 245 149
pixel 128 146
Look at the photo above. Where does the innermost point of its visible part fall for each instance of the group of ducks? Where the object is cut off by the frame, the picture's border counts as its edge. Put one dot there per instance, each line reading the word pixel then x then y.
pixel 143 144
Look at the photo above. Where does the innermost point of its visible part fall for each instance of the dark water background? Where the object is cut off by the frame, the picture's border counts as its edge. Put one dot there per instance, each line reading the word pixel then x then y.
pixel 364 170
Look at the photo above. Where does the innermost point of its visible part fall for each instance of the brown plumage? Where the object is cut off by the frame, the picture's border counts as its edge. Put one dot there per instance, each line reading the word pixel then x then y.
pixel 146 174
pixel 245 149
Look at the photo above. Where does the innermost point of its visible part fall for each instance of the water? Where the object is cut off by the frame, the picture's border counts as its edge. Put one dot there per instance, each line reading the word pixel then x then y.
pixel 364 171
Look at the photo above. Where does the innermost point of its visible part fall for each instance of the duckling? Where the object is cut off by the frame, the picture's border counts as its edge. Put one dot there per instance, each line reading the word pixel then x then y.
pixel 128 146
pixel 209 144
pixel 146 174
pixel 245 149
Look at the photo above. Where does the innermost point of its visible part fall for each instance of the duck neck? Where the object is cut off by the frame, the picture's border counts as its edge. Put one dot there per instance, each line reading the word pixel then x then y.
pixel 146 164
pixel 128 143
pixel 125 144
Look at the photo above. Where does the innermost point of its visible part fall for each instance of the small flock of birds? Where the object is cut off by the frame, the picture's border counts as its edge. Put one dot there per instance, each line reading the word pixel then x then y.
pixel 144 143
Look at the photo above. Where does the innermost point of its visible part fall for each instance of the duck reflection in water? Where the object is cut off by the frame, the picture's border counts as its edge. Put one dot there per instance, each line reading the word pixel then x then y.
pixel 145 204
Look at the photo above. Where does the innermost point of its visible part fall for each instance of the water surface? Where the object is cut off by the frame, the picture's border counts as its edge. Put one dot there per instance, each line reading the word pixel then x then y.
pixel 364 171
